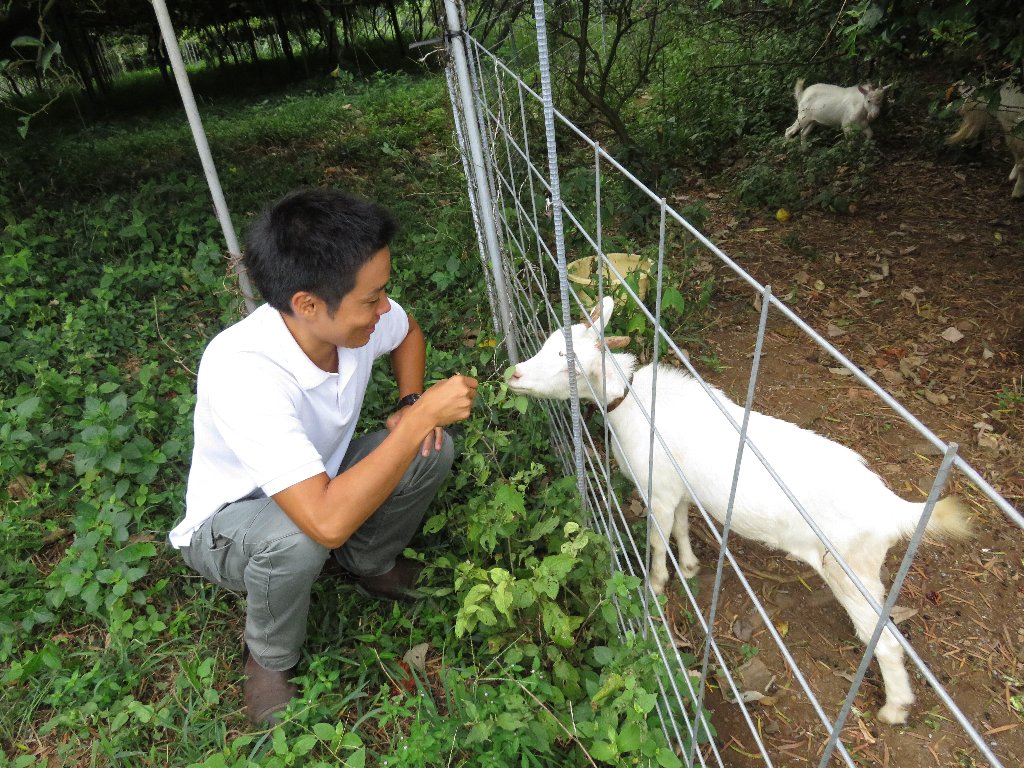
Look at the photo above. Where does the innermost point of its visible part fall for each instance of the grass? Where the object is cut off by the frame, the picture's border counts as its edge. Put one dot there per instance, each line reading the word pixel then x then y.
pixel 113 278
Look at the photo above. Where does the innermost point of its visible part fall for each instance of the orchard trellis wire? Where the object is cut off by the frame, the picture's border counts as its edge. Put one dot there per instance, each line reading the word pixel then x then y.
pixel 515 146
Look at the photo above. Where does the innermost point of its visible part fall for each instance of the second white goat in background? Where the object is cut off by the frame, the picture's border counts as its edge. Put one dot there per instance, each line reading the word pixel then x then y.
pixel 835 106
pixel 1009 113
pixel 852 506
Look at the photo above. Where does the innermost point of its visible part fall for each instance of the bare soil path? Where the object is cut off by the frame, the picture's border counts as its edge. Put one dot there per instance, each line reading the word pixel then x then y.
pixel 921 288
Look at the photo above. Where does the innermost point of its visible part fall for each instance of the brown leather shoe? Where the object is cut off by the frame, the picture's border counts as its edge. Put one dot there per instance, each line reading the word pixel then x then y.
pixel 267 693
pixel 397 584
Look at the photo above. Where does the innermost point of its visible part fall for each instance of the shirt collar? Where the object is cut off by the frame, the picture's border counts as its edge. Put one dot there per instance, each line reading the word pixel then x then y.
pixel 285 351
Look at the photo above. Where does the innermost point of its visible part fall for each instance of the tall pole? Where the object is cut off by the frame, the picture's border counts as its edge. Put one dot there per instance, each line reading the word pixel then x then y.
pixel 555 185
pixel 480 186
pixel 194 121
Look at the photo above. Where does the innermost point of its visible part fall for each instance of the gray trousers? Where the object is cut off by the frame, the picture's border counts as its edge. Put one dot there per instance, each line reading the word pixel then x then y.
pixel 251 546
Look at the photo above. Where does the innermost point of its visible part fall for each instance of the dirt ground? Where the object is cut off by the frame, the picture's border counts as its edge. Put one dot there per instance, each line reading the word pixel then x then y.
pixel 919 287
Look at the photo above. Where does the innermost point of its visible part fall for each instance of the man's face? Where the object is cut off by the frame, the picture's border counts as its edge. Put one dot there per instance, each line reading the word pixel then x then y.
pixel 364 305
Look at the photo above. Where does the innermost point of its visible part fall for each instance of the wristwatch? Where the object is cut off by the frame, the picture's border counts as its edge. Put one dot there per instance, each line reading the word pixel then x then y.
pixel 409 399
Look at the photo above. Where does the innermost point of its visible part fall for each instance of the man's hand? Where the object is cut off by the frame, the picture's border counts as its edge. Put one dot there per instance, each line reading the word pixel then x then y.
pixel 444 403
pixel 433 439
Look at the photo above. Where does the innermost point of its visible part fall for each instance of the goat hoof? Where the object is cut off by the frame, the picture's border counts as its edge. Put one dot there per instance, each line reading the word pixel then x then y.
pixel 657 589
pixel 689 570
pixel 893 714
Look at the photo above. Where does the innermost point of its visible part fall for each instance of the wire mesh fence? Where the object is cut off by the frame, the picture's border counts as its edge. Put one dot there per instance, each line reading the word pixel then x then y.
pixel 562 225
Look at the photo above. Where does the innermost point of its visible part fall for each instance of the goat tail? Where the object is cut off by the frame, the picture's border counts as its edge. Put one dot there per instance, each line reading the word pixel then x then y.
pixel 973 123
pixel 798 89
pixel 950 520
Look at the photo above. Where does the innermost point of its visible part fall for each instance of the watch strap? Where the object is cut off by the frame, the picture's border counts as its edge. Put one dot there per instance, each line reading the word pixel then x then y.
pixel 409 399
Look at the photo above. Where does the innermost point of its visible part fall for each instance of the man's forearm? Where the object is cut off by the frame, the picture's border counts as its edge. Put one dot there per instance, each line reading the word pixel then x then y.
pixel 408 360
pixel 329 511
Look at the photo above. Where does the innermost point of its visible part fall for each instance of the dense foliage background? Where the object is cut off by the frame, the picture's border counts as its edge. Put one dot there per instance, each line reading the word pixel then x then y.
pixel 114 277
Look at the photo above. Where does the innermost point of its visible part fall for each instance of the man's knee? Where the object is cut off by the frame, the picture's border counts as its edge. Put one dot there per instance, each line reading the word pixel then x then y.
pixel 428 471
pixel 446 456
pixel 296 554
pixel 439 463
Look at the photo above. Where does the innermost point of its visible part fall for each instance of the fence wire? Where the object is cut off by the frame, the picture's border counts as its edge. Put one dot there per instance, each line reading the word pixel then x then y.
pixel 544 196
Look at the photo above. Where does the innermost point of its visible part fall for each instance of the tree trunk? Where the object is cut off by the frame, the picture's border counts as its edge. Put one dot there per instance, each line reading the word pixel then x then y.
pixel 348 34
pixel 156 46
pixel 213 44
pixel 250 39
pixel 70 47
pixel 329 33
pixel 305 45
pixel 227 43
pixel 90 51
pixel 282 34
pixel 396 26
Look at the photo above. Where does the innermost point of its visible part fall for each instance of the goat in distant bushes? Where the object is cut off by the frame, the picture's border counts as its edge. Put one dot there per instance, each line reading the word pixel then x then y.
pixel 851 505
pixel 1008 111
pixel 835 106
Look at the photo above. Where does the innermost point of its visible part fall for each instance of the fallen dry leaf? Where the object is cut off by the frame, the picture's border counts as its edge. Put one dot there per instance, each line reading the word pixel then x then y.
pixel 416 657
pixel 987 438
pixel 20 487
pixel 635 508
pixel 742 629
pixel 952 335
pixel 753 680
pixel 891 376
pixel 909 366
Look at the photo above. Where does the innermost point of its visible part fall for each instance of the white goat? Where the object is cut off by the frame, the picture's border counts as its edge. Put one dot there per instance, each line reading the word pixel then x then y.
pixel 1010 116
pixel 833 105
pixel 860 516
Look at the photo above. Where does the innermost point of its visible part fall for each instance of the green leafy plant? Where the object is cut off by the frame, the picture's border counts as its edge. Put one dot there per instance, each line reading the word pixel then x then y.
pixel 110 287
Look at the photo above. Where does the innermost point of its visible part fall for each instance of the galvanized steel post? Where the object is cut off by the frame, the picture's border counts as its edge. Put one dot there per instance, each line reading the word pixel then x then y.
pixel 480 186
pixel 205 156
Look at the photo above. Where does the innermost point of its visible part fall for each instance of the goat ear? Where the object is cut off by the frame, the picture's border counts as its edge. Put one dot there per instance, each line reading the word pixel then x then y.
pixel 862 89
pixel 606 310
pixel 600 314
pixel 616 342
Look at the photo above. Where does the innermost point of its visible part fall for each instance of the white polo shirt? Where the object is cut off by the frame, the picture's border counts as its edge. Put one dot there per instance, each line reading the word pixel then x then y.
pixel 266 417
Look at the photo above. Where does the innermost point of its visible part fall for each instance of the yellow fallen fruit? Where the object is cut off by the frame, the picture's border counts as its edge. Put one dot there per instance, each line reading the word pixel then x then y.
pixel 782 214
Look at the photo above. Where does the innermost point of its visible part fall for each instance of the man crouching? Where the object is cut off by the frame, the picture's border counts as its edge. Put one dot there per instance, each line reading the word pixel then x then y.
pixel 278 484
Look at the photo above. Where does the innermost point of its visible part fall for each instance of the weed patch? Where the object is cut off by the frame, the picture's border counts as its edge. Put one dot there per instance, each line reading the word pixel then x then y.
pixel 113 279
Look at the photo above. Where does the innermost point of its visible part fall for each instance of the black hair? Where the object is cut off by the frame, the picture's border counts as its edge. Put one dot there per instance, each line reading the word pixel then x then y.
pixel 314 240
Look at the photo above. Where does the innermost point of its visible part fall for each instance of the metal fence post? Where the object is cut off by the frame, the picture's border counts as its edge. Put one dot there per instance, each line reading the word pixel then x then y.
pixel 556 212
pixel 479 185
pixel 195 122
